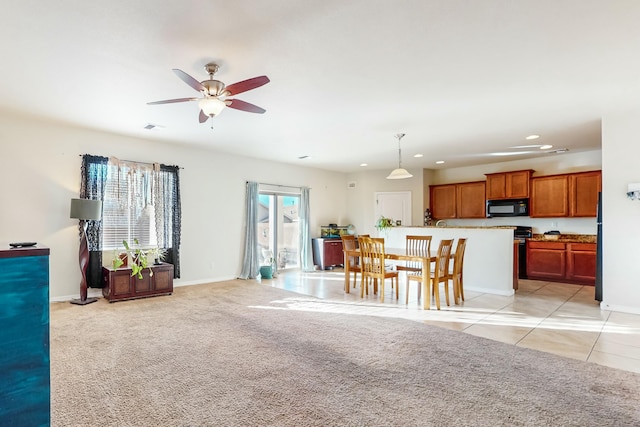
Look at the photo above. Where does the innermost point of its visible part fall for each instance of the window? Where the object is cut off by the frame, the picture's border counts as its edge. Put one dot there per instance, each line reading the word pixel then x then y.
pixel 128 211
pixel 279 228
pixel 140 202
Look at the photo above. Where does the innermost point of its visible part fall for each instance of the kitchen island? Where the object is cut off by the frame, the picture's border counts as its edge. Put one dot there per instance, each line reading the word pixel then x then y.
pixel 488 259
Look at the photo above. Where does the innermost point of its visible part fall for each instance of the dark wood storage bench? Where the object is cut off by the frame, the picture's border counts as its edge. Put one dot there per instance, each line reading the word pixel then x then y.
pixel 119 285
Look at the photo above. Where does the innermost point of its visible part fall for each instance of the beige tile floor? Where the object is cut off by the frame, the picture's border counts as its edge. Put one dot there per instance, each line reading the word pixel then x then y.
pixel 552 317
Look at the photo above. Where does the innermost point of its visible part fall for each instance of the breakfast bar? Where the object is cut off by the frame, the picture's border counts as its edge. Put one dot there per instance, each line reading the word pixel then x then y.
pixel 489 256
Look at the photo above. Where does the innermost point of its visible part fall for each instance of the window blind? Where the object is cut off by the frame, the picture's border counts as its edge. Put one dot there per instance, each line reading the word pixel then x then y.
pixel 128 209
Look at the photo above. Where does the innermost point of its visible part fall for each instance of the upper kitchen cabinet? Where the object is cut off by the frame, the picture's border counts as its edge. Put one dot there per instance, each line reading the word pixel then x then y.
pixel 508 185
pixel 442 199
pixel 583 192
pixel 471 202
pixel 549 196
pixel 566 195
pixel 463 200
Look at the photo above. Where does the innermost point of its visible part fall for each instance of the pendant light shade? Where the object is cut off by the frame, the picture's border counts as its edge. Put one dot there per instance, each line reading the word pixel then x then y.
pixel 399 173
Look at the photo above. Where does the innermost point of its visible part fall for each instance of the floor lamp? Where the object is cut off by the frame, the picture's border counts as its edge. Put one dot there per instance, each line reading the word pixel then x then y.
pixel 84 210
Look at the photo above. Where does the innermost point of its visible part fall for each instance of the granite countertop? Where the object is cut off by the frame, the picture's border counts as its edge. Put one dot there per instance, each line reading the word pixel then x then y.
pixel 480 227
pixel 567 238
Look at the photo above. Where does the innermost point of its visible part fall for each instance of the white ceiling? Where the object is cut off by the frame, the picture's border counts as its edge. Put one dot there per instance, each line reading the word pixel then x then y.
pixel 461 78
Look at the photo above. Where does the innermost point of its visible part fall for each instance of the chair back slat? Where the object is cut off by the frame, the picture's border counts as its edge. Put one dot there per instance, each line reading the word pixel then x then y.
pixel 459 256
pixel 419 246
pixel 442 261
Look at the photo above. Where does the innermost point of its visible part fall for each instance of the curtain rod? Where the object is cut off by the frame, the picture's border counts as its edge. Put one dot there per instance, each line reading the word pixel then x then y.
pixel 132 161
pixel 278 185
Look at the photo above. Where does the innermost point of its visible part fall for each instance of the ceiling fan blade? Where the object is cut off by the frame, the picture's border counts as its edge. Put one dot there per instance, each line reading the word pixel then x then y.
pixel 189 80
pixel 203 117
pixel 246 85
pixel 244 106
pixel 171 101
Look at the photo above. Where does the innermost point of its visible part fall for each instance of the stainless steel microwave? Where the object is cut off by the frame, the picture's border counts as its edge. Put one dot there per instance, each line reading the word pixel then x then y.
pixel 510 207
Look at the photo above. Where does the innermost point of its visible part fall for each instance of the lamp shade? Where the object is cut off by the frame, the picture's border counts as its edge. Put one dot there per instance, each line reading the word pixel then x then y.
pixel 211 106
pixel 85 209
pixel 399 173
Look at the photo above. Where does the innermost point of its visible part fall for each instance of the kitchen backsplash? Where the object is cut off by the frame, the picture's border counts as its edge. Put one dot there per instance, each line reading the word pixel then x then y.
pixel 540 225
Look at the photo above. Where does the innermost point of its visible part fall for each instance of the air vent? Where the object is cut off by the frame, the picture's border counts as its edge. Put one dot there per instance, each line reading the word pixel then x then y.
pixel 558 151
pixel 150 126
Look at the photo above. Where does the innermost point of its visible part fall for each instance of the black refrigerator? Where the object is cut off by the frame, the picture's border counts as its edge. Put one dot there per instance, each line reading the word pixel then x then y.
pixel 598 296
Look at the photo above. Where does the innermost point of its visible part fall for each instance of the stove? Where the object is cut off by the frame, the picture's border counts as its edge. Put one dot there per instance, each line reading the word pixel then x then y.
pixel 520 234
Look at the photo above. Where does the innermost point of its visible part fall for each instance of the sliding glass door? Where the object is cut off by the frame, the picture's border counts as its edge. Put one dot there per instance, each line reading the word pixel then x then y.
pixel 278 229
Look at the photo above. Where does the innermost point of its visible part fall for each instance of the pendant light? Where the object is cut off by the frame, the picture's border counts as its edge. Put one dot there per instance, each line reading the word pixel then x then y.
pixel 399 173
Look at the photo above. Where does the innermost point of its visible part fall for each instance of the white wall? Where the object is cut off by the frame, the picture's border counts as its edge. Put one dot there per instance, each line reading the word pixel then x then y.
pixel 361 202
pixel 621 216
pixel 40 171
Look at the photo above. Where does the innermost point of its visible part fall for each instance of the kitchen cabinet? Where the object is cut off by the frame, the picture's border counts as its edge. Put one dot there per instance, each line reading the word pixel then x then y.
pixel 562 262
pixel 508 185
pixel 462 200
pixel 442 200
pixel 470 200
pixel 583 193
pixel 581 263
pixel 565 195
pixel 549 196
pixel 120 285
pixel 546 260
pixel 327 252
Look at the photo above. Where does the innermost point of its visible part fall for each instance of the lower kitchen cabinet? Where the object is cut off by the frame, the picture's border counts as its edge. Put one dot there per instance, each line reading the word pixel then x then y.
pixel 562 262
pixel 327 252
pixel 581 262
pixel 120 285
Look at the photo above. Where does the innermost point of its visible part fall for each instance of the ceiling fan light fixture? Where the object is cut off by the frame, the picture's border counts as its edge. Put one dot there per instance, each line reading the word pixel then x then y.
pixel 399 173
pixel 211 106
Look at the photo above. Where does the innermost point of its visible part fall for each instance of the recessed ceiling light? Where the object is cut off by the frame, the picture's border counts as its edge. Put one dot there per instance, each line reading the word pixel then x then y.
pixel 417 156
pixel 546 147
pixel 363 164
pixel 439 162
pixel 530 137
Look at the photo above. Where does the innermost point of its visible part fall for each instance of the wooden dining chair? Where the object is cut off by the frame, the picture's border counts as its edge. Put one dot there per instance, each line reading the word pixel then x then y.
pixel 440 273
pixel 349 243
pixel 416 245
pixel 373 266
pixel 455 273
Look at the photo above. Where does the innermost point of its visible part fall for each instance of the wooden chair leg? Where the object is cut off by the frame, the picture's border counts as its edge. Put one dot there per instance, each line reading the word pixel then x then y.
pixel 446 292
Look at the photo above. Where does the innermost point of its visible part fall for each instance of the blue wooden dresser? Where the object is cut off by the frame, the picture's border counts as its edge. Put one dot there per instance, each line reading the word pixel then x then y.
pixel 24 337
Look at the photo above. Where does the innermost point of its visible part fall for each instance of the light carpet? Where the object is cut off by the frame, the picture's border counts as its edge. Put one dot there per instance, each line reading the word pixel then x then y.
pixel 240 353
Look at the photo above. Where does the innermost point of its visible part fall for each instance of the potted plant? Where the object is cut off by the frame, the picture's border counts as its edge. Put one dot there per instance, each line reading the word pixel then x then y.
pixel 383 224
pixel 266 270
pixel 158 255
pixel 138 259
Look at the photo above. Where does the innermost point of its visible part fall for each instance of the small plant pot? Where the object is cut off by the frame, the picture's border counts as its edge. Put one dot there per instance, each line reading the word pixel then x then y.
pixel 266 271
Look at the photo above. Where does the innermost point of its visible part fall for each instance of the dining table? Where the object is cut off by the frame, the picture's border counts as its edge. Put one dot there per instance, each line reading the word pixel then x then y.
pixel 400 254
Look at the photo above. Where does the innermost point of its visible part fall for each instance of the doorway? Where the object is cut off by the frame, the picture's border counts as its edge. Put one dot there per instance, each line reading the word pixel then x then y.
pixel 279 229
pixel 394 205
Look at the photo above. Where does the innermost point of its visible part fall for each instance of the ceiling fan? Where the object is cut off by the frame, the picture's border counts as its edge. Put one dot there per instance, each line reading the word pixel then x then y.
pixel 215 93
